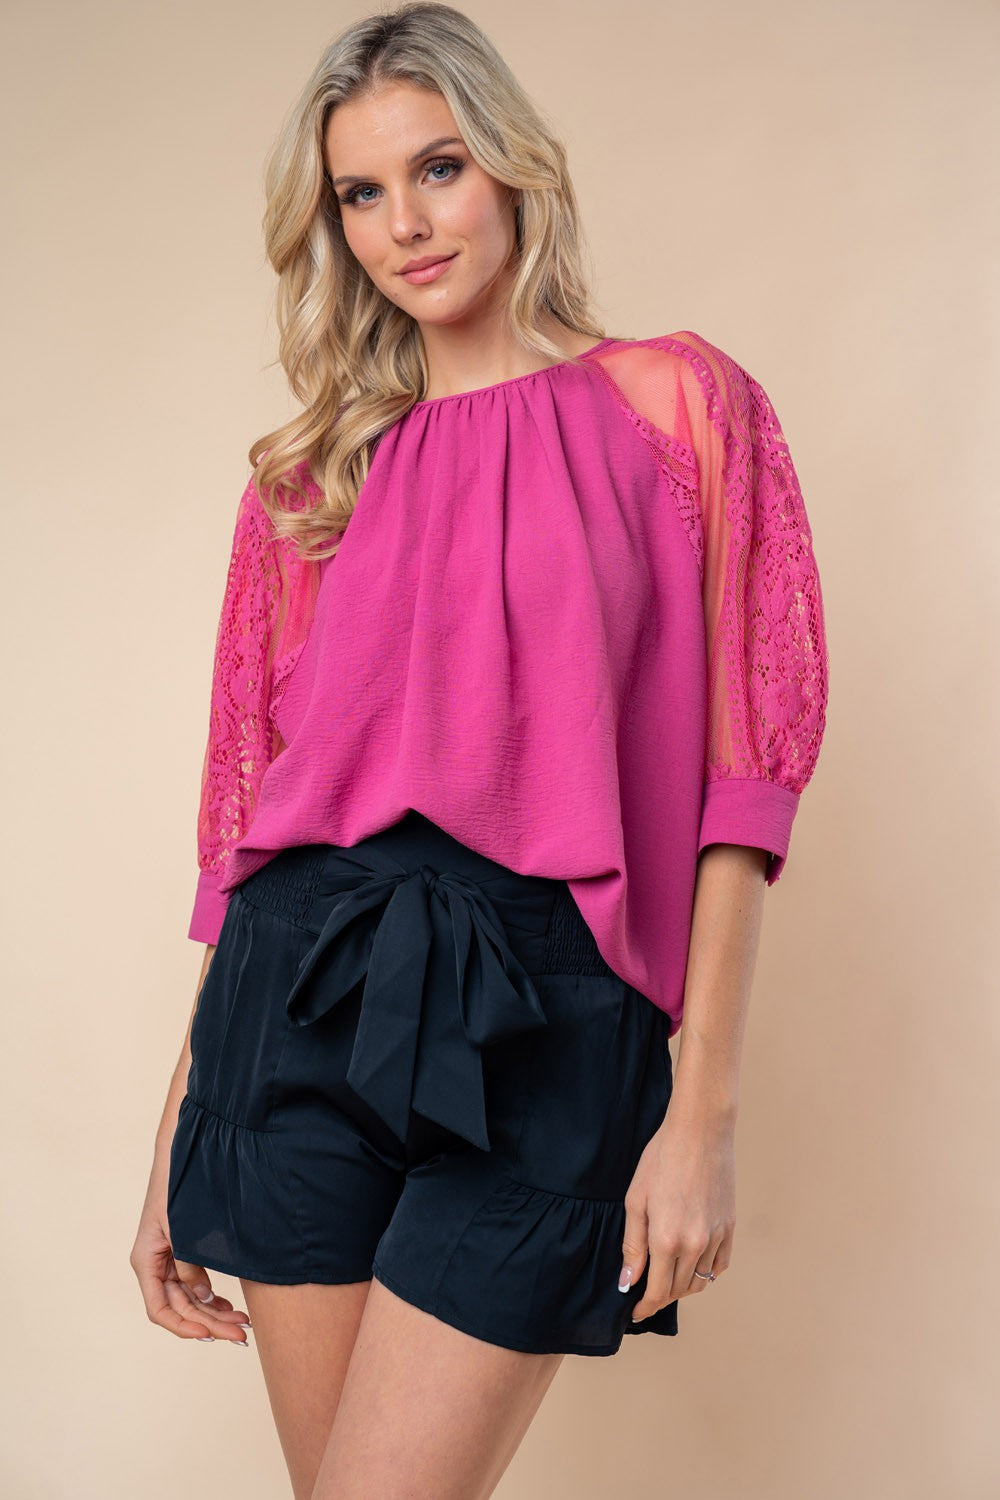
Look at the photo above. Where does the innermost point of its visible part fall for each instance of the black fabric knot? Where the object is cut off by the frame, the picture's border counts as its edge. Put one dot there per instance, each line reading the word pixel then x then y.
pixel 441 981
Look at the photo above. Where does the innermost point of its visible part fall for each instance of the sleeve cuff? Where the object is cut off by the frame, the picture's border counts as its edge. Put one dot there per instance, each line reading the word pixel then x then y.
pixel 209 908
pixel 749 811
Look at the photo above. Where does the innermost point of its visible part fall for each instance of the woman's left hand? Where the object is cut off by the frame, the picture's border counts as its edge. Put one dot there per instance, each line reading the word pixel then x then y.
pixel 680 1210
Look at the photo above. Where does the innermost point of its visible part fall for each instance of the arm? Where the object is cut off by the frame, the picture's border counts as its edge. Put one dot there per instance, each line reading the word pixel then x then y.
pixel 766 704
pixel 267 609
pixel 725 935
pixel 168 1286
pixel 265 616
pixel 764 627
pixel 717 437
pixel 681 1204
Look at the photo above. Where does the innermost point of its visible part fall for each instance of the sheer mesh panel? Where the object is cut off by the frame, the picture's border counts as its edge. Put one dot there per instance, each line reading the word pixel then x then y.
pixel 718 440
pixel 267 608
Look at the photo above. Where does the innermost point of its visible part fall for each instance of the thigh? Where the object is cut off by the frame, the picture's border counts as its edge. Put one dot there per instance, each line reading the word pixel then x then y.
pixel 304 1336
pixel 427 1411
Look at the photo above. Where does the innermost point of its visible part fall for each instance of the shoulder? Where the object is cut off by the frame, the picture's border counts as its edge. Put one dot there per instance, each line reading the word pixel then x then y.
pixel 680 384
pixel 295 488
pixel 700 382
pixel 683 353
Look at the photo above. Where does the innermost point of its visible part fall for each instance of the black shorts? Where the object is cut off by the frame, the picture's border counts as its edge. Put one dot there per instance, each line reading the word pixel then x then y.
pixel 411 1062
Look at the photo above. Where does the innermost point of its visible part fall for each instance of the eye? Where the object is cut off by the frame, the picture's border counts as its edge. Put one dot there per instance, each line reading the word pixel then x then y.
pixel 445 161
pixel 352 195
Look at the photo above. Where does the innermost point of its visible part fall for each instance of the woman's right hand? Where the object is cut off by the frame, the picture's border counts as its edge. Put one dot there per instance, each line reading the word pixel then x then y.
pixel 170 1287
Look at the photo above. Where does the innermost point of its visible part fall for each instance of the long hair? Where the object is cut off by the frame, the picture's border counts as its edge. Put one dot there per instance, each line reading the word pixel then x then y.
pixel 352 357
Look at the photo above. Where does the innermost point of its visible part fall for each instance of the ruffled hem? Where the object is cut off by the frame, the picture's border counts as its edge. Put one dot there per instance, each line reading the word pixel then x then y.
pixel 230 1205
pixel 533 1270
pixel 612 1212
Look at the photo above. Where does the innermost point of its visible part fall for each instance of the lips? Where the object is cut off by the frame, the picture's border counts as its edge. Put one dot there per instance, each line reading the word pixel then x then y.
pixel 423 263
pixel 428 270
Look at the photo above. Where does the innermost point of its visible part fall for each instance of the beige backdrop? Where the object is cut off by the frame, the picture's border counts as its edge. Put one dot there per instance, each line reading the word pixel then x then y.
pixel 811 186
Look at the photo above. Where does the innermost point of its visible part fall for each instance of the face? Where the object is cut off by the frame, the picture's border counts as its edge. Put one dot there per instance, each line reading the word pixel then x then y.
pixel 410 190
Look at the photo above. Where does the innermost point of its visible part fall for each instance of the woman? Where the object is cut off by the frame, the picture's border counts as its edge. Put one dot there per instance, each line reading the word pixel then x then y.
pixel 519 677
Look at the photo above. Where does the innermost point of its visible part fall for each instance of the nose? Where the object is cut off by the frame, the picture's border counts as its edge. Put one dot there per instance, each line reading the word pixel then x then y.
pixel 408 219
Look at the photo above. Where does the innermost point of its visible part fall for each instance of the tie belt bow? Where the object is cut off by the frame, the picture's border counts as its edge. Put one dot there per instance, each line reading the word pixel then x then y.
pixel 441 981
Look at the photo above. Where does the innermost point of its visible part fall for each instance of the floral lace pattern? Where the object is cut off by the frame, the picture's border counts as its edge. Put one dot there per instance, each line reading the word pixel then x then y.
pixel 715 434
pixel 266 613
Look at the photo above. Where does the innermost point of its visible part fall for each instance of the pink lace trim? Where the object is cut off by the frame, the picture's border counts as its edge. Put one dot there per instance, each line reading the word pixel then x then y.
pixel 267 609
pixel 716 436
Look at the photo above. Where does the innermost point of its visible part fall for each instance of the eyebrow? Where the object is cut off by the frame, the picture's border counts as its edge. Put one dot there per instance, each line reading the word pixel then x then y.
pixel 445 140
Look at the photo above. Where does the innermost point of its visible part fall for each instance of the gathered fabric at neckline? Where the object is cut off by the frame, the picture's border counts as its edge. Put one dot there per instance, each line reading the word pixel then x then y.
pixel 483 390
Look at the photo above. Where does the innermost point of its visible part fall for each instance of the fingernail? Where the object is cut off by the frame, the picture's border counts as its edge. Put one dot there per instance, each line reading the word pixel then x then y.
pixel 625 1279
pixel 246 1325
pixel 240 1343
pixel 203 1293
pixel 209 1339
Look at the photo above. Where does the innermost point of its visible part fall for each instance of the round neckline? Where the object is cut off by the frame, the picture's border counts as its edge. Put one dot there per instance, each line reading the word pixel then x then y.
pixel 497 385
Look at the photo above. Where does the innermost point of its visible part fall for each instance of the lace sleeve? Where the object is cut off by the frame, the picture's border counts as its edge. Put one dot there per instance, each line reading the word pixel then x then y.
pixel 266 611
pixel 764 624
pixel 718 442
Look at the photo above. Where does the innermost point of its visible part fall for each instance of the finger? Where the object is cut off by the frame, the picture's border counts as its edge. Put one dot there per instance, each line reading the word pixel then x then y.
pixel 711 1260
pixel 634 1245
pixel 195 1281
pixel 723 1251
pixel 690 1259
pixel 226 1313
pixel 218 1326
pixel 659 1284
pixel 159 1309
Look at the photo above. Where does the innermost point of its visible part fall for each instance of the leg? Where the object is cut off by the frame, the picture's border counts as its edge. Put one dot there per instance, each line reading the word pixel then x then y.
pixel 304 1336
pixel 427 1411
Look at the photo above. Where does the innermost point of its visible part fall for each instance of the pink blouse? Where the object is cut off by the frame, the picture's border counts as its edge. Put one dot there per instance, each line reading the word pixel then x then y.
pixel 575 619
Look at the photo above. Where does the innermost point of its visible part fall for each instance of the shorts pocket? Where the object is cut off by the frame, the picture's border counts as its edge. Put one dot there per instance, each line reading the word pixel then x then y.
pixel 594 1088
pixel 240 1023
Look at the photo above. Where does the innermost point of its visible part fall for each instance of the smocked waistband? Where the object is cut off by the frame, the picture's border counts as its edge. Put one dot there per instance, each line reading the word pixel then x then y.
pixel 445 940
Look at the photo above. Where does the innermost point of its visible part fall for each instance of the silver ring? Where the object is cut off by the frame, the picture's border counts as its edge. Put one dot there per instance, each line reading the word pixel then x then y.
pixel 706 1275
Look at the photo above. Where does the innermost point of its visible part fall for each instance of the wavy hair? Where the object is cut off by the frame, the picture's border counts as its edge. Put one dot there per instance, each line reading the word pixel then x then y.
pixel 352 357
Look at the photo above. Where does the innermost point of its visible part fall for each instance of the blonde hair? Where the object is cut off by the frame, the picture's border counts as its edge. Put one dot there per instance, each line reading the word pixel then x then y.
pixel 352 357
